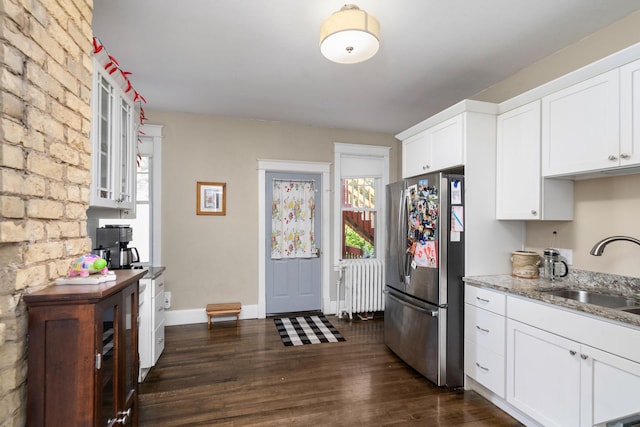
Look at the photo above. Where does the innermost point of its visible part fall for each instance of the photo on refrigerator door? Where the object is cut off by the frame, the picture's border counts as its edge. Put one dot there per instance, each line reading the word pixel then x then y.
pixel 422 222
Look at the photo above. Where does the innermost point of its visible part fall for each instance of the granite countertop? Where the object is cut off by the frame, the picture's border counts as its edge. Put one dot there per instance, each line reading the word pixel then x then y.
pixel 594 282
pixel 154 272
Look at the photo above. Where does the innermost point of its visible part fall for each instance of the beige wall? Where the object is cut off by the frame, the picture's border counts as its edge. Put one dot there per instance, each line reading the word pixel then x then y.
pixel 604 206
pixel 214 258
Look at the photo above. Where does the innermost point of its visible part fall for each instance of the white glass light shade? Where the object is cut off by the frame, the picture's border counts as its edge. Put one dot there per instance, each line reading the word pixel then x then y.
pixel 349 36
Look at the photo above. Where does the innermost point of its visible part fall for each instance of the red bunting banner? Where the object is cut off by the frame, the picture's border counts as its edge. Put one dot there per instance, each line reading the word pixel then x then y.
pixel 111 65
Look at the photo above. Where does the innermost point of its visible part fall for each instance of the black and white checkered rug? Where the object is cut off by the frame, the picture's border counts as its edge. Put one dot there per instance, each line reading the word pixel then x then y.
pixel 306 330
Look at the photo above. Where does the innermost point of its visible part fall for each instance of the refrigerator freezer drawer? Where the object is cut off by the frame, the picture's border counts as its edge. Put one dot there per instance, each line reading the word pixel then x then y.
pixel 411 332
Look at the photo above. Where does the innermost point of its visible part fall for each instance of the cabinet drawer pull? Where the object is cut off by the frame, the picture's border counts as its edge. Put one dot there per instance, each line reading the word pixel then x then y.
pixel 625 156
pixel 612 158
pixel 482 367
pixel 425 167
pixel 482 329
pixel 584 356
pixel 483 300
pixel 122 417
pixel 572 352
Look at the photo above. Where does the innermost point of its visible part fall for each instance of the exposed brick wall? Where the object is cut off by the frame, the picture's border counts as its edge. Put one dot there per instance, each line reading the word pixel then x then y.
pixel 45 159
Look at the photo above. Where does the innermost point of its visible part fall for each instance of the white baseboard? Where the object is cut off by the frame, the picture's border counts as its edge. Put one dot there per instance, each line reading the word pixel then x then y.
pixel 199 315
pixel 471 384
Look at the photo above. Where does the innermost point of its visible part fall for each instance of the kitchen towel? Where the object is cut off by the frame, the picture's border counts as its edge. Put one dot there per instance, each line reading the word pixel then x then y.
pixel 306 330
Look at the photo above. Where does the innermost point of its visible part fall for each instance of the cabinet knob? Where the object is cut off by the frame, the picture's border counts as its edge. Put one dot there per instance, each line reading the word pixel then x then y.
pixel 612 158
pixel 625 156
pixel 584 356
pixel 572 352
pixel 534 212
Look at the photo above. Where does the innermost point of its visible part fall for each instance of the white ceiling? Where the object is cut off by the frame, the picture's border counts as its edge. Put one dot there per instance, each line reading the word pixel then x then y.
pixel 260 59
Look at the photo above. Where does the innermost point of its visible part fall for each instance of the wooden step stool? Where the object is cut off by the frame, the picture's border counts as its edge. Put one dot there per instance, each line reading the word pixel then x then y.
pixel 225 309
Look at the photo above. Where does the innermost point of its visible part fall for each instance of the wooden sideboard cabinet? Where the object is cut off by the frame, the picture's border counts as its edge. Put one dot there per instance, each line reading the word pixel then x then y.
pixel 83 354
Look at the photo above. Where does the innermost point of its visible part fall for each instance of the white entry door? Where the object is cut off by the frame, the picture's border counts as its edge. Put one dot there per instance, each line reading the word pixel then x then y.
pixel 293 231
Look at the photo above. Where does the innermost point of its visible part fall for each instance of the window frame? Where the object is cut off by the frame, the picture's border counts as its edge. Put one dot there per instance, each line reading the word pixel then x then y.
pixel 362 210
pixel 372 161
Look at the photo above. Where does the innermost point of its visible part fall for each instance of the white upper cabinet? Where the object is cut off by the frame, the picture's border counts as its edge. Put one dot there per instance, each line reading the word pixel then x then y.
pixel 447 143
pixel 581 127
pixel 416 155
pixel 521 192
pixel 437 148
pixel 630 114
pixel 113 136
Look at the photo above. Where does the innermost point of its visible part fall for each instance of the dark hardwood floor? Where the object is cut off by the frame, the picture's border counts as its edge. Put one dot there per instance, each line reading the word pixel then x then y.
pixel 244 376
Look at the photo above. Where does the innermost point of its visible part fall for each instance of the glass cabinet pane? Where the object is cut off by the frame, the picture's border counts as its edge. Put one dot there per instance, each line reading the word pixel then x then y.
pixel 131 318
pixel 126 151
pixel 108 364
pixel 105 123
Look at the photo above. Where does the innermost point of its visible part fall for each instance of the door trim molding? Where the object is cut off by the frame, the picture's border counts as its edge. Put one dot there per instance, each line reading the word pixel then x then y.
pixel 322 168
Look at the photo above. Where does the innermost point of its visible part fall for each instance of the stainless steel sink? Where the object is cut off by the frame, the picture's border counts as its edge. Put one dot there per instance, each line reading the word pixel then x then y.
pixel 602 300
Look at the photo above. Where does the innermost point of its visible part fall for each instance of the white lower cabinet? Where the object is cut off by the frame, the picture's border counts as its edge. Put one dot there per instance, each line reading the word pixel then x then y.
pixel 611 386
pixel 151 325
pixel 157 339
pixel 485 338
pixel 145 327
pixel 559 381
pixel 543 375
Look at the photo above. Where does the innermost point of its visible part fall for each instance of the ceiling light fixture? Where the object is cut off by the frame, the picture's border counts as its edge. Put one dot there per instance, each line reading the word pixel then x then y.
pixel 350 35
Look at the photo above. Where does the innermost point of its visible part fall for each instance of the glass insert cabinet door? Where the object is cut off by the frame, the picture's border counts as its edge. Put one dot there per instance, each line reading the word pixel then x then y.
pixel 117 362
pixel 106 361
pixel 113 136
pixel 126 137
pixel 131 359
pixel 104 123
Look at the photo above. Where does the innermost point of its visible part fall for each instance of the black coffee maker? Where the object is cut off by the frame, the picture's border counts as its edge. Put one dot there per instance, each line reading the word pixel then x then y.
pixel 115 239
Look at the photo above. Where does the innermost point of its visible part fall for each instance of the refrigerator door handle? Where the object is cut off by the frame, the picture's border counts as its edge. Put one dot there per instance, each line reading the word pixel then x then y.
pixel 432 313
pixel 402 260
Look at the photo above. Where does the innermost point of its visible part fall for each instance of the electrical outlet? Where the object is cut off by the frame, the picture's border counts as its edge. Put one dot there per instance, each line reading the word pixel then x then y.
pixel 567 254
pixel 167 300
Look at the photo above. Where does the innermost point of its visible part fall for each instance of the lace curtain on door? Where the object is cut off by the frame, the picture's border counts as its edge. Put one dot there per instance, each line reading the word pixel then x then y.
pixel 292 219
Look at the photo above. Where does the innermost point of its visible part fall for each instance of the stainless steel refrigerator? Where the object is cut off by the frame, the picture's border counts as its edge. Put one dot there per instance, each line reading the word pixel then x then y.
pixel 424 292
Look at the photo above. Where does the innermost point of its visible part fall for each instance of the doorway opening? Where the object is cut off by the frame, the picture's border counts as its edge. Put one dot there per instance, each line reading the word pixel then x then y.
pixel 321 170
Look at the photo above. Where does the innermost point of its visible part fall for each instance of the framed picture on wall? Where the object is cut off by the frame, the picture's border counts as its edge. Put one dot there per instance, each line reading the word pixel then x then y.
pixel 212 198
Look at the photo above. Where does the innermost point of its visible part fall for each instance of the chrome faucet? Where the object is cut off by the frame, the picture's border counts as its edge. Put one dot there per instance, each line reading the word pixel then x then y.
pixel 598 248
